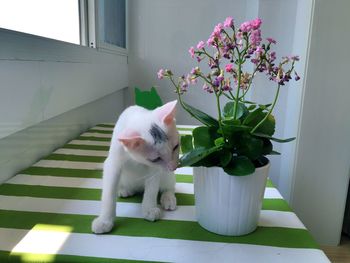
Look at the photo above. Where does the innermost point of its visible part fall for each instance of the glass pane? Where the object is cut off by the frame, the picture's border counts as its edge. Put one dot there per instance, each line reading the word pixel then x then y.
pixel 111 21
pixel 57 19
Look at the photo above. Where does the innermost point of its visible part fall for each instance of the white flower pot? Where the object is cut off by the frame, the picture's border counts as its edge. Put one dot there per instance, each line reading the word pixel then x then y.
pixel 226 204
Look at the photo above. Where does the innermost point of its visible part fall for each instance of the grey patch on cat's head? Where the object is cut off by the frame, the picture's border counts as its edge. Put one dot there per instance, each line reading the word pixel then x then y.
pixel 158 134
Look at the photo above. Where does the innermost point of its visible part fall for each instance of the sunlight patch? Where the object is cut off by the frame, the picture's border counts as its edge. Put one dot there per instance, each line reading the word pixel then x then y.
pixel 41 243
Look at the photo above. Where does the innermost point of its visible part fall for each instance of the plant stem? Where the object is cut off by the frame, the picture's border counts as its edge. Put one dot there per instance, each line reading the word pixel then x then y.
pixel 268 114
pixel 181 102
pixel 238 87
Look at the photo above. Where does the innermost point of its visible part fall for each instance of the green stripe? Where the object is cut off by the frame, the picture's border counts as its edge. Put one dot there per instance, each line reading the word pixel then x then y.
pixel 275 204
pixel 269 183
pixel 95 194
pixel 92 138
pixel 7 256
pixel 75 193
pixel 184 178
pixel 86 147
pixel 63 172
pixel 75 158
pixel 100 131
pixel 105 125
pixel 270 236
pixel 185 129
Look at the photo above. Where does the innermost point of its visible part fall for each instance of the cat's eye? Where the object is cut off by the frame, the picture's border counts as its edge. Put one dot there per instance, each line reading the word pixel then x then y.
pixel 155 160
pixel 176 146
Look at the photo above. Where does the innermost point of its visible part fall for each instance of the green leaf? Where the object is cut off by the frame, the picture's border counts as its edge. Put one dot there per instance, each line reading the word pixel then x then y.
pixel 201 116
pixel 250 146
pixel 267 146
pixel 204 136
pixel 231 122
pixel 262 135
pixel 268 126
pixel 219 141
pixel 253 118
pixel 252 115
pixel 264 107
pixel 186 143
pixel 230 129
pixel 196 155
pixel 225 157
pixel 248 102
pixel 240 166
pixel 251 107
pixel 229 109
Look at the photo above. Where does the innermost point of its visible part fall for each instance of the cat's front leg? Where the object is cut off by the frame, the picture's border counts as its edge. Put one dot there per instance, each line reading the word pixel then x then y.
pixel 150 209
pixel 111 174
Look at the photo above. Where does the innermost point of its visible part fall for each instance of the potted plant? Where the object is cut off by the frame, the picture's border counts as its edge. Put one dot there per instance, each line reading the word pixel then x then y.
pixel 229 152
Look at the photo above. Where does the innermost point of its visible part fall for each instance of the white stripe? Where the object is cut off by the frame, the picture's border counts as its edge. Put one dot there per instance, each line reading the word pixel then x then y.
pixel 102 128
pixel 93 183
pixel 56 181
pixel 86 142
pixel 184 170
pixel 187 126
pixel 69 164
pixel 185 132
pixel 106 135
pixel 93 134
pixel 89 207
pixel 159 249
pixel 81 152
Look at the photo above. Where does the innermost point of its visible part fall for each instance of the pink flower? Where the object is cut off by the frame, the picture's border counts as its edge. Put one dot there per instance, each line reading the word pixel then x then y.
pixel 161 73
pixel 256 23
pixel 255 37
pixel 217 30
pixel 200 45
pixel 191 51
pixel 245 27
pixel 211 41
pixel 229 68
pixel 271 40
pixel 228 22
pixel 294 58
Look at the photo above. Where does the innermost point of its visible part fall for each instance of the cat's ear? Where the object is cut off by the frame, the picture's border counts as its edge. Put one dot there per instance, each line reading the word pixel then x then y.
pixel 131 140
pixel 166 113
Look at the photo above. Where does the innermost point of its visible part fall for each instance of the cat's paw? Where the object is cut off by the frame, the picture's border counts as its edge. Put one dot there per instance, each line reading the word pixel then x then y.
pixel 125 193
pixel 101 225
pixel 168 201
pixel 152 214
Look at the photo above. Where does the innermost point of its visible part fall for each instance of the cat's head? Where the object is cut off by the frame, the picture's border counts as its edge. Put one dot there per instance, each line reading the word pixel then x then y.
pixel 157 143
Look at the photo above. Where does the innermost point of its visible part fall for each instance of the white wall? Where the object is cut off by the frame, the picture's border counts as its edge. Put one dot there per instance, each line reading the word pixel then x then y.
pixel 21 149
pixel 323 152
pixel 162 31
pixel 42 78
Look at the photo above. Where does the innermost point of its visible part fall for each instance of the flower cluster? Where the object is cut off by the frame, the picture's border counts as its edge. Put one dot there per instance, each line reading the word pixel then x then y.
pixel 238 135
pixel 233 47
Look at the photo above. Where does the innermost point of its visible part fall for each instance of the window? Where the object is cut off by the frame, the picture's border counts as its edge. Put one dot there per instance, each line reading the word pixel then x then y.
pixel 98 24
pixel 106 24
pixel 56 19
pixel 111 22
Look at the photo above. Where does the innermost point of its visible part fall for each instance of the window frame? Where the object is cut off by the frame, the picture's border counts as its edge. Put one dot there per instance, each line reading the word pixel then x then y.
pixel 89 28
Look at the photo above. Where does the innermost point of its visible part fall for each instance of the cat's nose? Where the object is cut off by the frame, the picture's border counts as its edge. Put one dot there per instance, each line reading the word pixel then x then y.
pixel 172 166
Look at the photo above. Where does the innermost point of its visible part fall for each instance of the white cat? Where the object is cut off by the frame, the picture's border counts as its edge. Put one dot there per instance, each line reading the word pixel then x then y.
pixel 143 154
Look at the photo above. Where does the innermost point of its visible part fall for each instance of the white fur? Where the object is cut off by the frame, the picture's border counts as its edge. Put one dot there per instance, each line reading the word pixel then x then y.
pixel 127 172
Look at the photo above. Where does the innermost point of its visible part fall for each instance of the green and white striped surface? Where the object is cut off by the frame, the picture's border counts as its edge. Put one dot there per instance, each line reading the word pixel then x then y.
pixel 46 213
